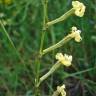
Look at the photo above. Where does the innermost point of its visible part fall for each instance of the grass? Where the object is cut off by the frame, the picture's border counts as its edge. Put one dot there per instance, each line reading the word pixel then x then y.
pixel 20 43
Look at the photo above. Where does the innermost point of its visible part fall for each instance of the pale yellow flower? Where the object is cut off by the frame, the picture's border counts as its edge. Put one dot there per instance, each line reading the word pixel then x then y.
pixel 61 90
pixel 79 8
pixel 64 59
pixel 76 34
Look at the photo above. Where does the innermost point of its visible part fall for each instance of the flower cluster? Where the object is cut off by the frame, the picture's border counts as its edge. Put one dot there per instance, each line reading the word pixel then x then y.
pixel 75 33
pixel 60 89
pixel 79 8
pixel 64 59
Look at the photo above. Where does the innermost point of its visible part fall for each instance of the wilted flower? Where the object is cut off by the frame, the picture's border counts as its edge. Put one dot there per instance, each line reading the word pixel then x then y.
pixel 79 8
pixel 76 34
pixel 61 90
pixel 64 59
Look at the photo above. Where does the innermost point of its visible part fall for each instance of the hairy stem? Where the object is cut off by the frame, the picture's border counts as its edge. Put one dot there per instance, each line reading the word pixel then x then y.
pixel 51 71
pixel 61 18
pixel 57 45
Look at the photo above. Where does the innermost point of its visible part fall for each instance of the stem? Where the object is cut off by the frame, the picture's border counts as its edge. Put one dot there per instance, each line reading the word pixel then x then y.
pixel 57 45
pixel 51 71
pixel 44 3
pixel 61 18
pixel 37 66
pixel 45 19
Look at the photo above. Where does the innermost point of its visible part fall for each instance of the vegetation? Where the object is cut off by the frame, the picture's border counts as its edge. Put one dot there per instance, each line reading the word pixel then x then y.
pixel 22 24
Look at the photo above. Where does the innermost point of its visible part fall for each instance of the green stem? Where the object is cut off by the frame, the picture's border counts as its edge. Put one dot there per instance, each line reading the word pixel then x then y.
pixel 44 3
pixel 61 18
pixel 57 45
pixel 42 41
pixel 45 19
pixel 51 71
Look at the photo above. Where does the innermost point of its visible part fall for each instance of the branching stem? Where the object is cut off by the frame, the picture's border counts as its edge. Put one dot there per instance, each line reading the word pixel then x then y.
pixel 44 3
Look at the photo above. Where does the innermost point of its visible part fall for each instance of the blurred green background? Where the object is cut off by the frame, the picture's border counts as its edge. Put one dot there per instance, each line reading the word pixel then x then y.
pixel 23 21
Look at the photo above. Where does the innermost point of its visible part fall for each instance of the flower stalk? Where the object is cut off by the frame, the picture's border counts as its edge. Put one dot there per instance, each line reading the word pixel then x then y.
pixel 78 9
pixel 61 18
pixel 51 71
pixel 62 60
pixel 55 46
pixel 74 34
